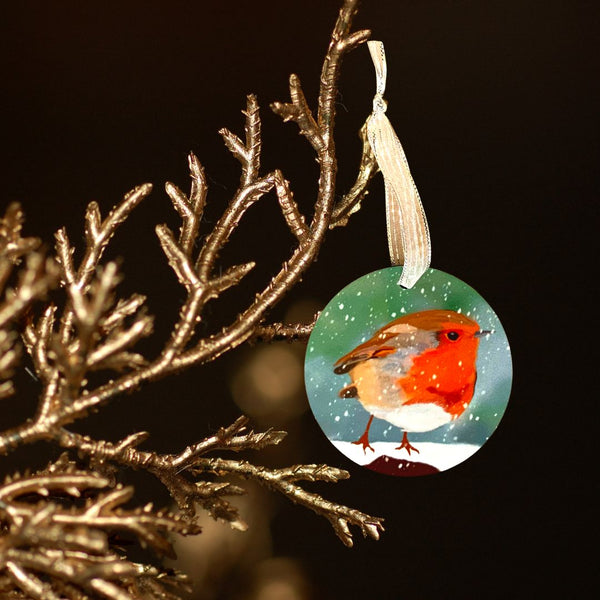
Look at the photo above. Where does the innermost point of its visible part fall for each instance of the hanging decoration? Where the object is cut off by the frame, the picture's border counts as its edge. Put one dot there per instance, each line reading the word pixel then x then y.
pixel 408 369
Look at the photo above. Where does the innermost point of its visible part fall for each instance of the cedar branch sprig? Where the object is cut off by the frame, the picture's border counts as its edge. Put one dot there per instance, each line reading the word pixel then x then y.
pixel 283 481
pixel 53 546
pixel 34 280
pixel 32 274
pixel 190 209
pixel 99 340
pixel 170 468
pixel 9 359
pixel 350 203
pixel 12 245
pixel 275 332
pixel 48 547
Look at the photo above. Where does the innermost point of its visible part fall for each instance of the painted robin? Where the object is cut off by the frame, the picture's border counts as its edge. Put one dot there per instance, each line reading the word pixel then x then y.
pixel 417 372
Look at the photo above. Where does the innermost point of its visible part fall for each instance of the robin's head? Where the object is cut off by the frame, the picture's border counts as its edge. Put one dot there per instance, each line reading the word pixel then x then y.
pixel 450 327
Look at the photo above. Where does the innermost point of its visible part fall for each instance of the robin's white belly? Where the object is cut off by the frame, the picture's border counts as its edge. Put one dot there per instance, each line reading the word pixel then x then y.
pixel 413 417
pixel 380 395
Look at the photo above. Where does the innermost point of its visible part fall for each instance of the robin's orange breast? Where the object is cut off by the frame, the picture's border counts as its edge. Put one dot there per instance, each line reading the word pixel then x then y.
pixel 445 376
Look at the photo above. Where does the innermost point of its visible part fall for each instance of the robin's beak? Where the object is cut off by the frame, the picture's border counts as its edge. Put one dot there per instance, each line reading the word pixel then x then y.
pixel 484 332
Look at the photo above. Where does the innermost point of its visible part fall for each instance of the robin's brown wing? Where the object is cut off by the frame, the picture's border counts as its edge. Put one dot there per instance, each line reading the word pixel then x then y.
pixel 395 337
pixel 360 354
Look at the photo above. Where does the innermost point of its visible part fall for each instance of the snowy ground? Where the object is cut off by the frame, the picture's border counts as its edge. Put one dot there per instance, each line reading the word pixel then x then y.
pixel 441 456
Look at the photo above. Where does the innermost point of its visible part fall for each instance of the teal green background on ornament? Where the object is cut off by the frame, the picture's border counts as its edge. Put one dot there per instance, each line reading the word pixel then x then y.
pixel 371 302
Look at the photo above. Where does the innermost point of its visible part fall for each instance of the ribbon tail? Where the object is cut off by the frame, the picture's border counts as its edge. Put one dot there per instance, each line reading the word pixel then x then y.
pixel 393 217
pixel 408 234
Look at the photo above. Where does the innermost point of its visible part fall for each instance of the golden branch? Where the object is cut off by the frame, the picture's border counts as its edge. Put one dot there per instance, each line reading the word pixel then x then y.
pixel 350 203
pixel 52 546
pixel 71 546
pixel 283 481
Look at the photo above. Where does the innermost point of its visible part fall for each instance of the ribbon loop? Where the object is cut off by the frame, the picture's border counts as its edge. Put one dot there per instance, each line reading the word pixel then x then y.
pixel 378 57
pixel 408 234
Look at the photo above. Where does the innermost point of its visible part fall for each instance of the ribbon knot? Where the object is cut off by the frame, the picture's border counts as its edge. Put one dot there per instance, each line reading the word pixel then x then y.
pixel 408 234
pixel 379 103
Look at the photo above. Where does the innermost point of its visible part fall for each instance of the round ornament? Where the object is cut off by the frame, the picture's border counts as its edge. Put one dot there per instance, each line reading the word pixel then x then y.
pixel 408 381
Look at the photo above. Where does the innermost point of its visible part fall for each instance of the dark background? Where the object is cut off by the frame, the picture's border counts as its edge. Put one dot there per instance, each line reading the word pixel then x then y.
pixel 495 103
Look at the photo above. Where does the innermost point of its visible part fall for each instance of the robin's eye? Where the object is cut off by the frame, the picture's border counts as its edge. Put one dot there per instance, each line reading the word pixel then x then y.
pixel 453 335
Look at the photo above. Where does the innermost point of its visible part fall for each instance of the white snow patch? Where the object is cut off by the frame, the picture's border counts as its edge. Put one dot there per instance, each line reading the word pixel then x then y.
pixel 441 456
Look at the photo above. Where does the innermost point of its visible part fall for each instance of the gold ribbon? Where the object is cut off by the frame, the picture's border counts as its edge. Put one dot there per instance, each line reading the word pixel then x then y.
pixel 408 234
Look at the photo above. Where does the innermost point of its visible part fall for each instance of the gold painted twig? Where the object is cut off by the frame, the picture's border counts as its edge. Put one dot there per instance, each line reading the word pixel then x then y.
pixel 52 549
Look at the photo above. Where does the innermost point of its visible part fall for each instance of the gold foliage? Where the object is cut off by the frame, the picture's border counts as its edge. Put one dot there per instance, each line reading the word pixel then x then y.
pixel 59 527
pixel 52 547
